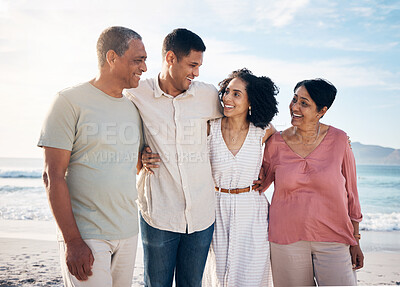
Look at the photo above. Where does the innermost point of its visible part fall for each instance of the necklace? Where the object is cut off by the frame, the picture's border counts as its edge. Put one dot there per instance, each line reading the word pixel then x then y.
pixel 234 138
pixel 315 140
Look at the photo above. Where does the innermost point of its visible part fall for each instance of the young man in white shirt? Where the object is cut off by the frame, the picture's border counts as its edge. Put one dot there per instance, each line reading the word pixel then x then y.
pixel 176 199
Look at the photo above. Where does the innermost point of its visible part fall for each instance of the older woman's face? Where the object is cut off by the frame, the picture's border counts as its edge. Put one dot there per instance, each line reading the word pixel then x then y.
pixel 303 109
pixel 235 99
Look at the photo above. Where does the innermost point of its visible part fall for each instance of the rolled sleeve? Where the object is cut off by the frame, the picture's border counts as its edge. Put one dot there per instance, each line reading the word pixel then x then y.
pixel 349 172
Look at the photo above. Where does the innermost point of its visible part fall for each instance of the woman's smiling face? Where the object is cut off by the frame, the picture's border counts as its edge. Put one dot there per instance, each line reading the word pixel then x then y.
pixel 303 109
pixel 235 99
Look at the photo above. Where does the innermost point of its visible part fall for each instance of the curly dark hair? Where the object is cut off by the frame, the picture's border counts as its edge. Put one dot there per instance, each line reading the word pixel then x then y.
pixel 261 92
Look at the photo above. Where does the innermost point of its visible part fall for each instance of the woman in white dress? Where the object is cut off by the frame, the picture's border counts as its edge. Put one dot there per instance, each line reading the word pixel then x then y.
pixel 239 253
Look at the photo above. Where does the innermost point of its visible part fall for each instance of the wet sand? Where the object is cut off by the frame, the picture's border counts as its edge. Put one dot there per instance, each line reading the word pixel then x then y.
pixel 29 256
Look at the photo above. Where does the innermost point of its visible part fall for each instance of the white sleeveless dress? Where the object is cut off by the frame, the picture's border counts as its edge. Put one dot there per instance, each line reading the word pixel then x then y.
pixel 239 254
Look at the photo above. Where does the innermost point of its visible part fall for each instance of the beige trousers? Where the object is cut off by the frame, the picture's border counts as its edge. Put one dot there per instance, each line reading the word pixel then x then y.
pixel 299 263
pixel 113 265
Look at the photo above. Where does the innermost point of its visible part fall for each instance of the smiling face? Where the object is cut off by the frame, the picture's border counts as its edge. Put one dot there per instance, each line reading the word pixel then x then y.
pixel 303 109
pixel 183 71
pixel 235 99
pixel 131 64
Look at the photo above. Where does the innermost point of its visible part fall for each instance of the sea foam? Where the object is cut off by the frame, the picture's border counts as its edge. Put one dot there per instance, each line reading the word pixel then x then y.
pixel 381 221
pixel 23 173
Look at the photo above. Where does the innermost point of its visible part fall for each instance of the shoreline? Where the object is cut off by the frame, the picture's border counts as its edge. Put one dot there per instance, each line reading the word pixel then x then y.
pixel 29 256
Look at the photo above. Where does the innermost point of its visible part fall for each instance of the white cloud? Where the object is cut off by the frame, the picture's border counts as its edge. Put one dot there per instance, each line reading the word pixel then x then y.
pixel 223 47
pixel 3 7
pixel 363 11
pixel 389 8
pixel 344 72
pixel 352 45
pixel 93 5
pixel 374 11
pixel 48 45
pixel 255 15
pixel 279 13
pixel 344 43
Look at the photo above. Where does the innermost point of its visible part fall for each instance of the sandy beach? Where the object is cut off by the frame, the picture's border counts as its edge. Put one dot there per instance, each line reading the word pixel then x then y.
pixel 29 256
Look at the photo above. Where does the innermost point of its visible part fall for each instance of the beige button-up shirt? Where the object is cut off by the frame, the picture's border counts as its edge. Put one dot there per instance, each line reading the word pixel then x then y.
pixel 179 196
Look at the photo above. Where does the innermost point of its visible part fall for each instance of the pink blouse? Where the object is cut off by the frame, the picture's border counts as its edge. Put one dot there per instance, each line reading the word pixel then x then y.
pixel 315 197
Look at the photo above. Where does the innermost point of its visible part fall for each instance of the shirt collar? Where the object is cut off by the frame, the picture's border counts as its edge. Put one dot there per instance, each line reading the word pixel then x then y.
pixel 158 92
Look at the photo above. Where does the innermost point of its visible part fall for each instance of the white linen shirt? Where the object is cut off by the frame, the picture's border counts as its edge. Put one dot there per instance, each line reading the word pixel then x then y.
pixel 179 196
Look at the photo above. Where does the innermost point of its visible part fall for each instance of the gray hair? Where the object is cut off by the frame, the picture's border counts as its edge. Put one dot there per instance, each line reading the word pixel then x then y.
pixel 114 38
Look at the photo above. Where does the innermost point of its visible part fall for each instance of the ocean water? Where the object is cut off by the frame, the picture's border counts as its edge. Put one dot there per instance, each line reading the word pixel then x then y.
pixel 22 195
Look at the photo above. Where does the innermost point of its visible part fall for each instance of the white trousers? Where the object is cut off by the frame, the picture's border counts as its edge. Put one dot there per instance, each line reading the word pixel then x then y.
pixel 298 263
pixel 113 265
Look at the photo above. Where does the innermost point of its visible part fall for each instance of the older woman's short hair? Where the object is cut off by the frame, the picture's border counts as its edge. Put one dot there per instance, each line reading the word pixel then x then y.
pixel 321 91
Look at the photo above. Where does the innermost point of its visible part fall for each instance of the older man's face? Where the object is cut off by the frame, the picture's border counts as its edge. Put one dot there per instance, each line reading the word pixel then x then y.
pixel 130 66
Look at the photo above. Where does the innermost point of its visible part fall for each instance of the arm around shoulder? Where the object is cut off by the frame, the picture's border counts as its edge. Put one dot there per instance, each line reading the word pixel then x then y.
pixel 266 176
pixel 269 131
pixel 216 108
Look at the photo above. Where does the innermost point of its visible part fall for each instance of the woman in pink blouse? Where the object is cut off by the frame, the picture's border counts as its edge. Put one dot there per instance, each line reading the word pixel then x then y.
pixel 315 211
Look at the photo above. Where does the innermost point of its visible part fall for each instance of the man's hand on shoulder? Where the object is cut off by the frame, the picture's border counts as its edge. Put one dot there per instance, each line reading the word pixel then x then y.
pixel 79 259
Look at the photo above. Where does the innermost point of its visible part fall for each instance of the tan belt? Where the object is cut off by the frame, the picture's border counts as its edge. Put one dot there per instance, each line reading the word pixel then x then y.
pixel 237 190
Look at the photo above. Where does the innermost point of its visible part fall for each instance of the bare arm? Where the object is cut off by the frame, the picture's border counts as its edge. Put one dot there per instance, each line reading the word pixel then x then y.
pixel 269 132
pixel 79 257
pixel 357 256
pixel 139 163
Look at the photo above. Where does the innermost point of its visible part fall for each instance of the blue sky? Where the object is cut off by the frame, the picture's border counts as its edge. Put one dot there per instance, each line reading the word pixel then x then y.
pixel 46 46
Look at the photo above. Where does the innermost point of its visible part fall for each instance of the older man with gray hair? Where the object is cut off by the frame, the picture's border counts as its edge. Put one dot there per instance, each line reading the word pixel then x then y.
pixel 91 138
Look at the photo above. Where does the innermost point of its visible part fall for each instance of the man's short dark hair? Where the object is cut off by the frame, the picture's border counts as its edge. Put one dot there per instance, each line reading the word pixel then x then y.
pixel 114 38
pixel 181 41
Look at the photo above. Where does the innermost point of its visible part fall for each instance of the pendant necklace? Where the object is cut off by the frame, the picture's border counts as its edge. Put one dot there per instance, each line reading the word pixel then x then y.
pixel 234 138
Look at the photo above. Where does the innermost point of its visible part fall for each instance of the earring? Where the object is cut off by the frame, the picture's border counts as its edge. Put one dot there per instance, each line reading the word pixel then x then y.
pixel 250 110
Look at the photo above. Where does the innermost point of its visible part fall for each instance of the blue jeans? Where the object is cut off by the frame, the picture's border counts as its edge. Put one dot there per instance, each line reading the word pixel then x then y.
pixel 166 252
